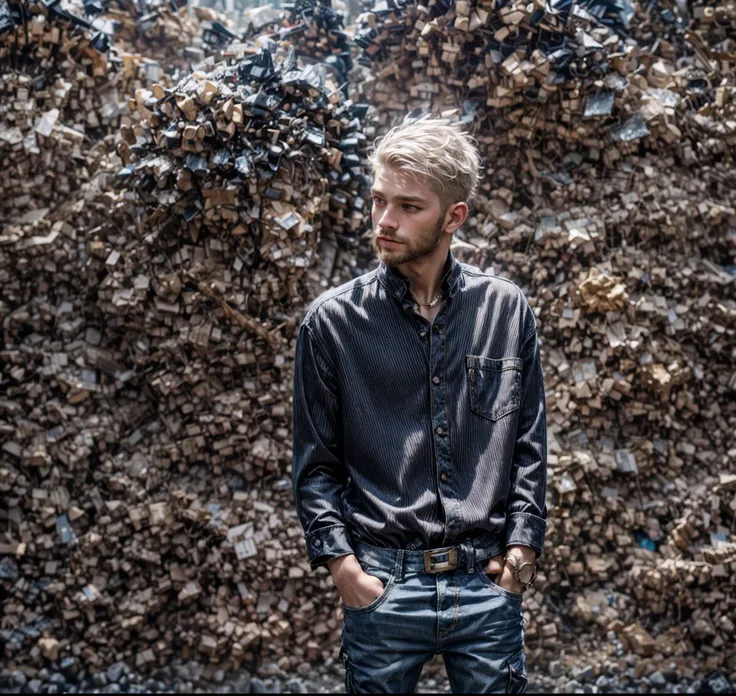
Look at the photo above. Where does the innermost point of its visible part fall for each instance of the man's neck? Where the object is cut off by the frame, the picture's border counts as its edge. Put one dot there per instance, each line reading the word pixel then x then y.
pixel 425 275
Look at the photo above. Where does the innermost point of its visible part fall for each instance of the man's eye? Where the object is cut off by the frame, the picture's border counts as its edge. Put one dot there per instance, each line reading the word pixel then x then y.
pixel 377 201
pixel 411 208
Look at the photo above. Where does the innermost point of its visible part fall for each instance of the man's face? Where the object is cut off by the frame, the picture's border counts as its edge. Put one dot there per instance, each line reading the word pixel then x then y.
pixel 408 218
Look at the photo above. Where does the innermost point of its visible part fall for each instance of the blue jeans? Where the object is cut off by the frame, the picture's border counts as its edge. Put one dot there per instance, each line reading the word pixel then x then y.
pixel 461 614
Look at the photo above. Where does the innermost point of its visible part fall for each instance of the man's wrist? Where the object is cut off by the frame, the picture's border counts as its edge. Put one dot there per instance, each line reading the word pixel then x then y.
pixel 523 553
pixel 341 567
pixel 522 561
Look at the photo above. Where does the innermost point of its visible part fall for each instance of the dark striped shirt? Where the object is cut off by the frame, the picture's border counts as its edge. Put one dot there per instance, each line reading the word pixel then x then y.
pixel 416 435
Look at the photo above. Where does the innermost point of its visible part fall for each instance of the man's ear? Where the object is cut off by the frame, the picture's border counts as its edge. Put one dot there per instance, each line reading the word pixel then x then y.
pixel 455 216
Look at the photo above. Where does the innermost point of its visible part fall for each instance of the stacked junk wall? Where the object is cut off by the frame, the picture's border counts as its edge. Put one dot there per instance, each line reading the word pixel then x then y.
pixel 175 191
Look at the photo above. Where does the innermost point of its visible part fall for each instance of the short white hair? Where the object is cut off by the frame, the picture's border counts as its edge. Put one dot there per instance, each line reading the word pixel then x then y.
pixel 435 149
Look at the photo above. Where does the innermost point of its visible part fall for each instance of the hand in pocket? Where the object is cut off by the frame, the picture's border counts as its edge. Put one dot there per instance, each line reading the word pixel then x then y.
pixel 505 576
pixel 360 590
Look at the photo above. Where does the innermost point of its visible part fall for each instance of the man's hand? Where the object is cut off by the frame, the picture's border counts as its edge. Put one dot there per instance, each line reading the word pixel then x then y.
pixel 357 588
pixel 507 580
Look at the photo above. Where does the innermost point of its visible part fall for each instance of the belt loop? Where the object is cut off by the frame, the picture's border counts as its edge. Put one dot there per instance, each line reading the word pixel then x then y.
pixel 470 557
pixel 399 567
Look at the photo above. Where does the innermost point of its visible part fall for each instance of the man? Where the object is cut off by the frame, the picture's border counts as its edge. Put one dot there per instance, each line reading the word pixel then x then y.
pixel 419 463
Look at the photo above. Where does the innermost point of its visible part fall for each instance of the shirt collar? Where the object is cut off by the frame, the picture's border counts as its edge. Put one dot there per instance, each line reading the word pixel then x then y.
pixel 398 284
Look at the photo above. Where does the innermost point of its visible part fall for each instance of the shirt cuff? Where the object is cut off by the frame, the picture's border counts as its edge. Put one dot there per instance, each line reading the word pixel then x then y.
pixel 525 529
pixel 326 543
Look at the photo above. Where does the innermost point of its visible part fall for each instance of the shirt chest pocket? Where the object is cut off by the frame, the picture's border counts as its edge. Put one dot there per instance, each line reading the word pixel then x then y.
pixel 495 385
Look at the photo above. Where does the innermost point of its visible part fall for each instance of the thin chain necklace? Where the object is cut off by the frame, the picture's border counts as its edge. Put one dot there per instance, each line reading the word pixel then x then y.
pixel 436 299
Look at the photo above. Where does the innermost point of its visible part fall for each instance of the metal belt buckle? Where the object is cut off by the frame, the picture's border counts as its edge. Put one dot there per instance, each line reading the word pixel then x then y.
pixel 437 566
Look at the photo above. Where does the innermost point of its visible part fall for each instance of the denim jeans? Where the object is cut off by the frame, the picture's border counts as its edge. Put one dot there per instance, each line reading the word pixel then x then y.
pixel 461 614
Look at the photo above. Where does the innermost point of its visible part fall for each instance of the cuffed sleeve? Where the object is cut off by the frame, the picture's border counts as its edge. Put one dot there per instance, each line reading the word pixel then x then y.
pixel 318 470
pixel 525 530
pixel 526 507
pixel 326 543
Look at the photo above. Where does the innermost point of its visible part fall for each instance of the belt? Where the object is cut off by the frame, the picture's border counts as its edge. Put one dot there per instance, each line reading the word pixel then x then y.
pixel 440 560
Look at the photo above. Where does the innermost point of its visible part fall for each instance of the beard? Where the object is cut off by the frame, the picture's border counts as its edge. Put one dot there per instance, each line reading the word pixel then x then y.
pixel 410 250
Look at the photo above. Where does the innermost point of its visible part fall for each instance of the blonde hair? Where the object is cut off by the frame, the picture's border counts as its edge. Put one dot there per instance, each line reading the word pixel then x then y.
pixel 433 148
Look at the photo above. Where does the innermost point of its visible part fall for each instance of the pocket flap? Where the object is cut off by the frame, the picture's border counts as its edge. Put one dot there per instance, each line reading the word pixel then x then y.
pixel 495 385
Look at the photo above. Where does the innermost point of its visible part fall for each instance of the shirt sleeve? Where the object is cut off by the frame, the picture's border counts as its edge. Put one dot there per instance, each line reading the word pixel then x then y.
pixel 318 470
pixel 526 508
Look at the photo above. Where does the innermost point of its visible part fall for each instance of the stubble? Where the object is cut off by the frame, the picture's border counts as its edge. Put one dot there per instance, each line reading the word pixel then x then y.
pixel 411 250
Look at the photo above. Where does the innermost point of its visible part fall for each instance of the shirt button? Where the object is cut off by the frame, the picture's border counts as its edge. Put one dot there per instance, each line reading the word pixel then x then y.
pixel 436 380
pixel 423 334
pixel 443 477
pixel 439 430
pixel 317 543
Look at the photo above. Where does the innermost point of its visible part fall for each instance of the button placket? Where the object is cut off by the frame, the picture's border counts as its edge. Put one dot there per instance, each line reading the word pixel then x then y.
pixel 418 322
pixel 440 423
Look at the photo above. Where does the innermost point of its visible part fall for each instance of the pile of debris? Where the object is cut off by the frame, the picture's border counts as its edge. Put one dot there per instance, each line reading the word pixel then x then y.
pixel 64 94
pixel 163 30
pixel 609 198
pixel 637 319
pixel 261 152
pixel 149 343
pixel 314 29
pixel 151 286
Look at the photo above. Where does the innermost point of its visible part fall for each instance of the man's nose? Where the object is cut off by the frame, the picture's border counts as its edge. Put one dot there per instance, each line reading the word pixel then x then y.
pixel 387 221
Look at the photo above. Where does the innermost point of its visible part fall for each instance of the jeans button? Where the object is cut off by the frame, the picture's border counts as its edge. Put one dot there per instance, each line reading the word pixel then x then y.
pixel 436 380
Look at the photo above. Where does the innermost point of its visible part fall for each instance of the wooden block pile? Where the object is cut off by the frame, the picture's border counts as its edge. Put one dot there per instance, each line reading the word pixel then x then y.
pixel 609 198
pixel 527 79
pixel 501 57
pixel 160 30
pixel 62 94
pixel 697 577
pixel 149 332
pixel 698 33
pixel 148 316
pixel 715 25
pixel 638 321
pixel 245 157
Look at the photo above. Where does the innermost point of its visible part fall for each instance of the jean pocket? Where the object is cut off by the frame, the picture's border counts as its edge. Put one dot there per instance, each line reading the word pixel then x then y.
pixel 517 674
pixel 495 385
pixel 486 579
pixel 387 578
